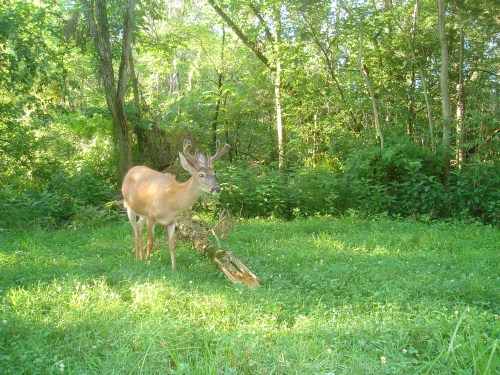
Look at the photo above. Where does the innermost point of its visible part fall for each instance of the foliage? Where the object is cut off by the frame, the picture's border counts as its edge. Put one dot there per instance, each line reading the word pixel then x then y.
pixel 254 190
pixel 314 191
pixel 403 181
pixel 343 296
pixel 30 79
pixel 52 192
pixel 195 77
pixel 67 198
pixel 474 193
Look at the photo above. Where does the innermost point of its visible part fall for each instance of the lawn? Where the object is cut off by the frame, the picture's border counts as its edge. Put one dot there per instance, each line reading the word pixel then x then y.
pixel 337 296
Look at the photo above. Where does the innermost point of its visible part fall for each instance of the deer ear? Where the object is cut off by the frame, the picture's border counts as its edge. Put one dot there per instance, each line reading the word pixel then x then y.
pixel 186 164
pixel 202 160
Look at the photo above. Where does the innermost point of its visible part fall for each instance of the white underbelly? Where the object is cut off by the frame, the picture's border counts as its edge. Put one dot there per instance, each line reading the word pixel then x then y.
pixel 157 217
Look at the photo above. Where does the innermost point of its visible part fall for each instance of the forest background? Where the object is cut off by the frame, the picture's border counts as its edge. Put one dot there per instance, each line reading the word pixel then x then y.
pixel 374 107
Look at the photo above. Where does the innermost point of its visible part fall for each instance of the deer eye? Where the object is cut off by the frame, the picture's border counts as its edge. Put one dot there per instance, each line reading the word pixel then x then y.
pixel 201 175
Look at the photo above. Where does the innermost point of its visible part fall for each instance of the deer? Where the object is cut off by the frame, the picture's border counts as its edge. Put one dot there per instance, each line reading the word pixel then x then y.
pixel 157 198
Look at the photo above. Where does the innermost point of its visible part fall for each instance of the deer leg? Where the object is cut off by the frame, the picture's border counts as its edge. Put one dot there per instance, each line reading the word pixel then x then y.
pixel 171 245
pixel 151 230
pixel 138 246
pixel 133 220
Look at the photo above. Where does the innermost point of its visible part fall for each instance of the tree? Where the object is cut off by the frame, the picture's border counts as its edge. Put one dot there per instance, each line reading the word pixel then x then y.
pixel 97 19
pixel 364 71
pixel 31 82
pixel 445 91
pixel 257 47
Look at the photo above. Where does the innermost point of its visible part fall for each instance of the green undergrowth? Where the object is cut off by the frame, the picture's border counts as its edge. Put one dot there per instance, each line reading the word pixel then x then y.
pixel 337 296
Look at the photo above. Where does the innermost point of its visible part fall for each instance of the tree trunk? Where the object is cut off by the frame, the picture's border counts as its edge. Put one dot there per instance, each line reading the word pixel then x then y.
pixel 153 144
pixel 460 149
pixel 410 122
pixel 366 77
pixel 215 118
pixel 97 19
pixel 124 137
pixel 331 68
pixel 139 132
pixel 423 79
pixel 411 94
pixel 253 47
pixel 198 233
pixel 257 50
pixel 220 84
pixel 277 93
pixel 445 92
pixel 429 108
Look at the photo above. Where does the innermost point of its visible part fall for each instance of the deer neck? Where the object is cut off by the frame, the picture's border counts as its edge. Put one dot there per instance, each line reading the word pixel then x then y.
pixel 187 194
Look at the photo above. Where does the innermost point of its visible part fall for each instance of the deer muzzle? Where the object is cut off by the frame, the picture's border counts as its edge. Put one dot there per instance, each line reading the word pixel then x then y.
pixel 215 189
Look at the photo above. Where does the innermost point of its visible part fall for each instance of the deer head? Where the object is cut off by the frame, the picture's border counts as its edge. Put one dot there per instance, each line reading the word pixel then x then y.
pixel 201 166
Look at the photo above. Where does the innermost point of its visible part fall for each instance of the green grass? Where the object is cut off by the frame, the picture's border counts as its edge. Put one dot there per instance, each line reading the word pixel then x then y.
pixel 337 296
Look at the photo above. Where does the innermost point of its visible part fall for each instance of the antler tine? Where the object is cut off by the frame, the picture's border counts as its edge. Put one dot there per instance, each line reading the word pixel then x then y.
pixel 220 151
pixel 185 147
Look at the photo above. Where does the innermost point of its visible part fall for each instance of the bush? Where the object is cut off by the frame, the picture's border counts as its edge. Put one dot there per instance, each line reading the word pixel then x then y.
pixel 403 181
pixel 397 180
pixel 419 195
pixel 392 164
pixel 65 175
pixel 258 191
pixel 474 193
pixel 58 203
pixel 314 191
pixel 255 191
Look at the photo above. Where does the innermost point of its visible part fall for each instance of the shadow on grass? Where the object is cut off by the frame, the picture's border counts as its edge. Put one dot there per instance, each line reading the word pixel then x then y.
pixel 334 296
pixel 339 262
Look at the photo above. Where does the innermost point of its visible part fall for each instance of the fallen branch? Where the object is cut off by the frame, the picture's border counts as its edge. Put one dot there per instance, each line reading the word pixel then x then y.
pixel 198 232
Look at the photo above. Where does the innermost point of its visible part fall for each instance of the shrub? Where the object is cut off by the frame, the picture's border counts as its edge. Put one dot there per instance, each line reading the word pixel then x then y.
pixel 57 203
pixel 474 193
pixel 52 190
pixel 259 191
pixel 392 164
pixel 255 191
pixel 418 195
pixel 402 181
pixel 314 191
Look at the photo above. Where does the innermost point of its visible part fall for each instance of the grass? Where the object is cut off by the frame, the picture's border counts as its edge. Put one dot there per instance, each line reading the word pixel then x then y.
pixel 337 296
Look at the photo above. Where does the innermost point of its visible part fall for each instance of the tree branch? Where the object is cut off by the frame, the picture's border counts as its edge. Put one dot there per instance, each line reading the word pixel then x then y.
pixel 198 233
pixel 256 12
pixel 241 35
pixel 126 50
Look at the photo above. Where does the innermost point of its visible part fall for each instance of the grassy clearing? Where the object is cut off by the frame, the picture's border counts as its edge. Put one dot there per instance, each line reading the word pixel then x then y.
pixel 337 296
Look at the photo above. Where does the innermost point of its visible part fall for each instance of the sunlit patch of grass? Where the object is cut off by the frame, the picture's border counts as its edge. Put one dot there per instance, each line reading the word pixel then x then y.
pixel 339 296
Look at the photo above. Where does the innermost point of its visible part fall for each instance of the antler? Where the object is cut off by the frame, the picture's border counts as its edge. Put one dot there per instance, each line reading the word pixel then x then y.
pixel 220 151
pixel 185 147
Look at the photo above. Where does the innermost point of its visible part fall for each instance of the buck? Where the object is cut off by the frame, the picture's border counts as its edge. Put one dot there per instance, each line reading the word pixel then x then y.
pixel 157 198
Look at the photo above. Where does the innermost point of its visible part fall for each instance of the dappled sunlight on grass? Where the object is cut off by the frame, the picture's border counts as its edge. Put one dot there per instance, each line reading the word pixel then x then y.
pixel 336 296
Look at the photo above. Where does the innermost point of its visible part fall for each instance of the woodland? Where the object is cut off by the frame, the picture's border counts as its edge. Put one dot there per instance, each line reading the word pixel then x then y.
pixel 381 107
pixel 361 188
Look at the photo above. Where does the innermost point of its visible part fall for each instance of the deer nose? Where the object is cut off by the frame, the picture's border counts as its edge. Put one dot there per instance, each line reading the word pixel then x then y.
pixel 215 189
